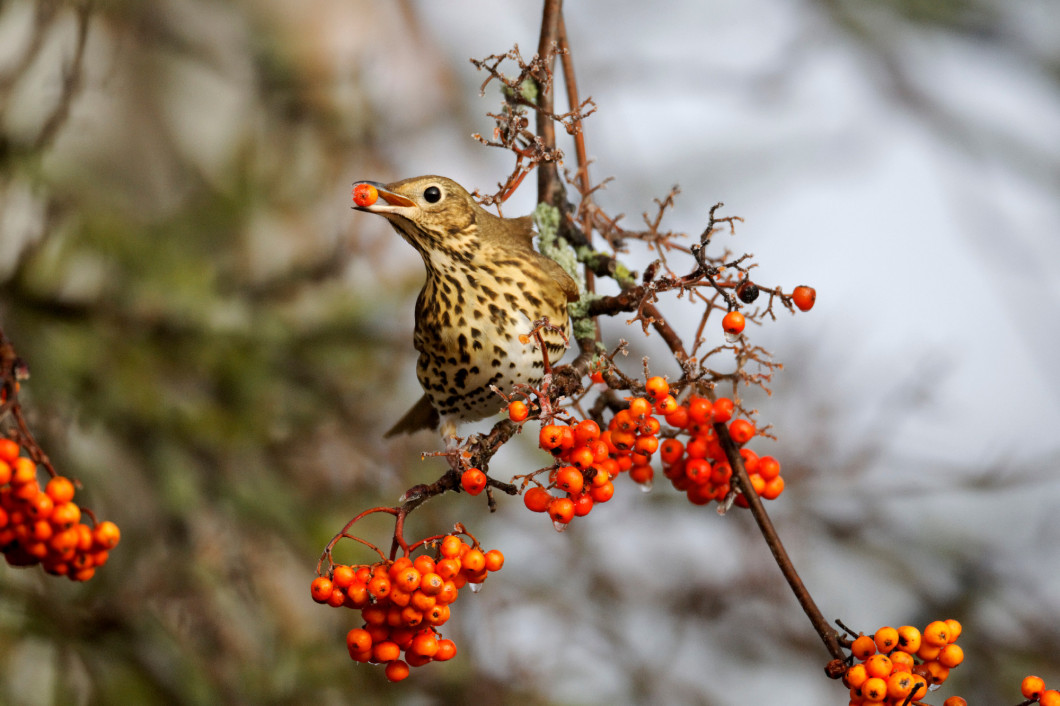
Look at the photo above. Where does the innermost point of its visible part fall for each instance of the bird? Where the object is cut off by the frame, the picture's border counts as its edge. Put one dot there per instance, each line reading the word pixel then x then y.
pixel 485 286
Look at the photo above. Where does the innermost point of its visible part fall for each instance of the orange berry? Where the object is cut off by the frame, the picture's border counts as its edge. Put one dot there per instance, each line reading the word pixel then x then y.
pixel 437 615
pixel 773 488
pixel 473 481
pixel 886 639
pixel 342 576
pixel 570 479
pixel 678 418
pixel 5 472
pixel 597 377
pixel 431 583
pixel 855 676
pixel 396 670
pixel 908 639
pixel 733 323
pixel 583 504
pixel 451 546
pixel 639 407
pixel 365 194
pixel 321 589
pixel 551 436
pixel 657 387
pixel 936 673
pixel 642 473
pixel 379 586
pixel 955 701
pixel 106 534
pixel 561 510
pixel 65 515
pixel 23 471
pixel 518 410
pixel 700 410
pixel 475 560
pixel 722 410
pixel 494 560
pixel 407 579
pixel 874 689
pixel 603 492
pixel 446 651
pixel 927 652
pixel 666 405
pixel 951 655
pixel 863 648
pixel 804 297
pixel 424 564
pixel 425 643
pixel 671 450
pixel 902 661
pixel 899 686
pixel 1032 687
pixel 585 431
pixel 955 629
pixel 581 457
pixel 741 431
pixel 8 450
pixel 937 633
pixel 1050 697
pixel 537 499
pixel 877 665
pixel 60 490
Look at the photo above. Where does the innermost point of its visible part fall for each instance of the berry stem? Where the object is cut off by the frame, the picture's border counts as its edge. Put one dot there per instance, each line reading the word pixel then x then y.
pixel 780 554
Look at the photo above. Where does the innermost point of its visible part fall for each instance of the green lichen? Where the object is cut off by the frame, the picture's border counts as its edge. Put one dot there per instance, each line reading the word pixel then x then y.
pixel 547 219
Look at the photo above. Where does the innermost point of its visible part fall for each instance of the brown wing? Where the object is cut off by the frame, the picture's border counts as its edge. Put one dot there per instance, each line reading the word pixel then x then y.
pixel 423 415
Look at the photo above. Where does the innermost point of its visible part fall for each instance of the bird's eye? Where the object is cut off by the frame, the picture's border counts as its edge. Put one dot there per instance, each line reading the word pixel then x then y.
pixel 432 194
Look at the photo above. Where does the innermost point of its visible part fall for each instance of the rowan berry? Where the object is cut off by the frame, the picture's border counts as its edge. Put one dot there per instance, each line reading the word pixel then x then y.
pixel 446 651
pixel 1049 697
pixel 396 670
pixel 475 560
pixel 431 583
pixel 1032 687
pixel 8 450
pixel 804 297
pixel 603 492
pixel 60 490
pixel 518 410
pixel 747 291
pixel 437 615
pixel 698 470
pixel 951 655
pixel 321 589
pixel 570 479
pixel 862 648
pixel 365 194
pixel 585 431
pixel 877 665
pixel 666 405
pixel 581 457
pixel 451 546
pixel 583 504
pixel 899 686
pixel 937 633
pixel 772 488
pixel 855 676
pixel 5 473
pixel 106 534
pixel 337 597
pixel 741 431
pixel 23 471
pixel 657 387
pixel 955 701
pixel 670 450
pixel 908 639
pixel 874 689
pixel 886 639
pixel 551 436
pixel 473 481
pixel 537 499
pixel 424 564
pixel 733 323
pixel 955 629
pixel 494 560
pixel 902 661
pixel 722 410
pixel 700 410
pixel 639 408
pixel 678 418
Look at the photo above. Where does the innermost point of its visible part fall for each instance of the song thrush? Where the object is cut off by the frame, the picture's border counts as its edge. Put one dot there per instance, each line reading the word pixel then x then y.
pixel 485 287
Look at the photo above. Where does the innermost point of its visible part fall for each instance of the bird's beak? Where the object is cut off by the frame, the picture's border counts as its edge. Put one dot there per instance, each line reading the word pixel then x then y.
pixel 386 202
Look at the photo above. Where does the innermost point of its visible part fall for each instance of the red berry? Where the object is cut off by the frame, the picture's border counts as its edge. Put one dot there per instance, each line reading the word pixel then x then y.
pixel 733 323
pixel 518 411
pixel 804 297
pixel 365 194
pixel 741 431
pixel 537 499
pixel 473 481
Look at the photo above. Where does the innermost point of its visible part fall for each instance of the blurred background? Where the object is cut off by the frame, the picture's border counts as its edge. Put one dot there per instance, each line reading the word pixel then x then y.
pixel 217 342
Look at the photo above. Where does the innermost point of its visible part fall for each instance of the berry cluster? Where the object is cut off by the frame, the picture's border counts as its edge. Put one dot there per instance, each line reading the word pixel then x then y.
pixel 404 601
pixel 1033 689
pixel 897 666
pixel 43 525
pixel 588 462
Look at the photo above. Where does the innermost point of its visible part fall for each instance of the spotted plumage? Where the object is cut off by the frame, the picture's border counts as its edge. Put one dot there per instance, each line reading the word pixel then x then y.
pixel 485 285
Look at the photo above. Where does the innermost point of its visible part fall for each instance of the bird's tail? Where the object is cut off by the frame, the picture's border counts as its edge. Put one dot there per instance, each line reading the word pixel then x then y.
pixel 423 415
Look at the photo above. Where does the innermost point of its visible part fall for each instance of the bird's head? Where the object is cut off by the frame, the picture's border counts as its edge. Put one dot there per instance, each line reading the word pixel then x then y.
pixel 431 212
